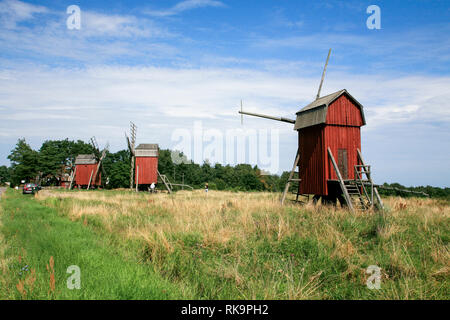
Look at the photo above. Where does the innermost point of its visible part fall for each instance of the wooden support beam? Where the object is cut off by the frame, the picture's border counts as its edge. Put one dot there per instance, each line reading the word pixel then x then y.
pixel 163 179
pixel 341 181
pixel 90 179
pixel 137 178
pixel 72 178
pixel 132 173
pixel 286 188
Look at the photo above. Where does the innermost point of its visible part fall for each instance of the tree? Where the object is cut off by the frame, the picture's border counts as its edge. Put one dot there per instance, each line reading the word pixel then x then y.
pixel 24 162
pixel 58 156
pixel 117 168
pixel 5 174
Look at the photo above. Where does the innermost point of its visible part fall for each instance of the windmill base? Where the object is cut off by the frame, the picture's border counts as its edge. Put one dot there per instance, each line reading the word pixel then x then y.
pixel 80 187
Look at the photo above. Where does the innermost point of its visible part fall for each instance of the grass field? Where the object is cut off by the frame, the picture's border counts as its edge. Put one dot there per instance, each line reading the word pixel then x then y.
pixel 221 246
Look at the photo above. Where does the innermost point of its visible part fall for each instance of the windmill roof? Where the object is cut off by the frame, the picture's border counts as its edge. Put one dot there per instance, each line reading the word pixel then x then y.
pixel 146 150
pixel 316 112
pixel 85 159
pixel 147 146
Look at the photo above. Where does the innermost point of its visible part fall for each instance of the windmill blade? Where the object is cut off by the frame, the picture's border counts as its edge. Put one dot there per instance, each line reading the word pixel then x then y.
pixel 100 157
pixel 129 145
pixel 282 119
pixel 103 154
pixel 106 180
pixel 323 75
pixel 99 165
pixel 94 143
pixel 105 150
pixel 96 149
pixel 133 129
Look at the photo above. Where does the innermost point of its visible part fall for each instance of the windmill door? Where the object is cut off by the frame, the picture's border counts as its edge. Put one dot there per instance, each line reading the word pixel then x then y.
pixel 343 163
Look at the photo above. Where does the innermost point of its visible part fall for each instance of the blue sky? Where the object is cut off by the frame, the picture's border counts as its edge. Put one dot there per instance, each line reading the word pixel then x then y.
pixel 166 64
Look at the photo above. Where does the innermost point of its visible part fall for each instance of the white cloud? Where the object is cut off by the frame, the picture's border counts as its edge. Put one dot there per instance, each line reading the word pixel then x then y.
pixel 97 24
pixel 112 94
pixel 185 6
pixel 101 38
pixel 15 11
pixel 100 101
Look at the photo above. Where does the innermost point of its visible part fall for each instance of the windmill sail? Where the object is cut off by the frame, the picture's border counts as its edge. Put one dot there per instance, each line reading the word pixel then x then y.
pixel 323 75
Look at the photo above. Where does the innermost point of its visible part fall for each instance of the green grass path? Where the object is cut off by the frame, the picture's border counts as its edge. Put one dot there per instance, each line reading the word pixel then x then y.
pixel 30 234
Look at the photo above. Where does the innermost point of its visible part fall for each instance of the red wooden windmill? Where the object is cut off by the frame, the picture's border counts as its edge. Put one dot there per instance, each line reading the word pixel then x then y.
pixel 89 168
pixel 144 164
pixel 329 159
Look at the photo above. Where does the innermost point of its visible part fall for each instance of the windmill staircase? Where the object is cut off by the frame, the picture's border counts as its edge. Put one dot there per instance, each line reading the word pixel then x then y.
pixel 359 193
pixel 360 190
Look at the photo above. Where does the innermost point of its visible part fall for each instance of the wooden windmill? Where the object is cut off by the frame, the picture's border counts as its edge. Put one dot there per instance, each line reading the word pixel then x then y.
pixel 89 168
pixel 329 127
pixel 144 164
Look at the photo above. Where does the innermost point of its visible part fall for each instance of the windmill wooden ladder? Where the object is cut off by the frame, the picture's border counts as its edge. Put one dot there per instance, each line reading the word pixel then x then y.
pixel 360 192
pixel 292 179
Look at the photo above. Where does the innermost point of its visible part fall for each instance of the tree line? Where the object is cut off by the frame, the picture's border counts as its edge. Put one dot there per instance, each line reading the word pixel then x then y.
pixel 57 156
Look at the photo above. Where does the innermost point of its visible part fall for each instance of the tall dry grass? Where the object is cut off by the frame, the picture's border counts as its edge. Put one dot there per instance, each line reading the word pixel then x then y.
pixel 236 222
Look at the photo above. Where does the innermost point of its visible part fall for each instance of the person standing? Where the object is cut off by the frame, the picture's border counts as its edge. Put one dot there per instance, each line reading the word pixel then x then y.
pixel 206 188
pixel 152 188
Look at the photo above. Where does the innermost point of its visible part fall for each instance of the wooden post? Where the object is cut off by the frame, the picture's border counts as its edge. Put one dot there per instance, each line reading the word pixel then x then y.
pixel 286 188
pixel 371 191
pixel 132 173
pixel 378 197
pixel 89 185
pixel 72 178
pixel 137 178
pixel 341 181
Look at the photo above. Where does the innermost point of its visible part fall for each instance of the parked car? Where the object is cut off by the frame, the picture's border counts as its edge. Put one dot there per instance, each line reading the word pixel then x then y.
pixel 30 188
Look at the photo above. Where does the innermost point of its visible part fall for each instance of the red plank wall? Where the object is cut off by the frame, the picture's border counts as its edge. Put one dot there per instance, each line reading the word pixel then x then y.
pixel 339 137
pixel 312 172
pixel 83 175
pixel 344 112
pixel 341 131
pixel 148 170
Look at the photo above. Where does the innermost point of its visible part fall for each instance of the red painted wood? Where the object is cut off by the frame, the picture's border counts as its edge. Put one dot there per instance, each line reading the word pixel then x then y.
pixel 344 112
pixel 341 131
pixel 148 170
pixel 340 137
pixel 311 144
pixel 83 175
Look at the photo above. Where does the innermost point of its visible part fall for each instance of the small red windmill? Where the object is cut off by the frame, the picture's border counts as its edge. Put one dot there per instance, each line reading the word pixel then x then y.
pixel 144 164
pixel 89 168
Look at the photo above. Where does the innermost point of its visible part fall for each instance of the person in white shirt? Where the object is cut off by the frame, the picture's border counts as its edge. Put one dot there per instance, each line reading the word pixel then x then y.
pixel 152 188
